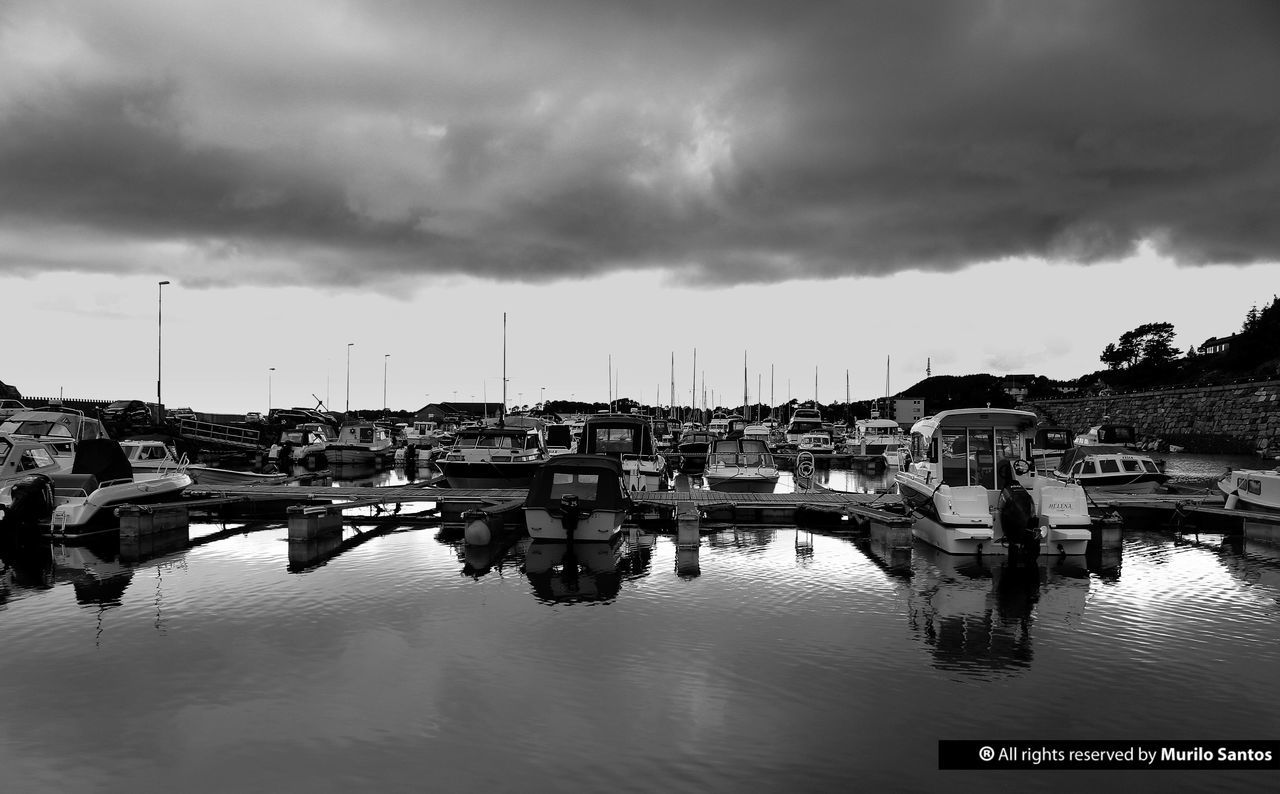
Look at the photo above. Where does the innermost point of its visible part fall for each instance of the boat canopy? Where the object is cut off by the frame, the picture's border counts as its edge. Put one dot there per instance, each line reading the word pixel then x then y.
pixel 103 458
pixel 616 435
pixel 53 423
pixel 492 436
pixel 1053 437
pixel 595 479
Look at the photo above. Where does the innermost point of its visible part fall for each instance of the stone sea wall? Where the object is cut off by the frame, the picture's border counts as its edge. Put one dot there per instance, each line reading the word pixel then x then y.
pixel 1232 418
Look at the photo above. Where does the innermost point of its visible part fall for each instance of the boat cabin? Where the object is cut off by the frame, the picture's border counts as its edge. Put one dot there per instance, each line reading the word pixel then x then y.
pixel 595 480
pixel 498 443
pixel 1052 437
pixel 616 435
pixel 963 447
pixel 20 457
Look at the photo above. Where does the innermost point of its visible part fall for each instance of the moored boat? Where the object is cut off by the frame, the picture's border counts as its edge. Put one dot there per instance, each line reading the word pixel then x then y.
pixel 152 458
pixel 629 439
pixel 973 491
pixel 577 497
pixel 102 479
pixel 506 453
pixel 1109 433
pixel 1252 489
pixel 692 449
pixel 740 465
pixel 360 444
pixel 1110 468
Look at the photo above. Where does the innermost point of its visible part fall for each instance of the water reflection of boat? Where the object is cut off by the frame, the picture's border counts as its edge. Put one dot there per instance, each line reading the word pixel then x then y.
pixel 1255 563
pixel 977 613
pixel 573 572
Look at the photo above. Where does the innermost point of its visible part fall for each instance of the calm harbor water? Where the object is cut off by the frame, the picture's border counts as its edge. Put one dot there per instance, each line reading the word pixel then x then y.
pixel 771 659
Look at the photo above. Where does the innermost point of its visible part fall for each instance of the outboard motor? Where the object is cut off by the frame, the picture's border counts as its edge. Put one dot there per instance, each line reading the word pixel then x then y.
pixel 410 456
pixel 31 502
pixel 1018 515
pixel 569 514
pixel 285 456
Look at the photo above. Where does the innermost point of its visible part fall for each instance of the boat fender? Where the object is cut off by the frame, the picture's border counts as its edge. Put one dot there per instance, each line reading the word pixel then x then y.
pixel 476 531
pixel 1232 501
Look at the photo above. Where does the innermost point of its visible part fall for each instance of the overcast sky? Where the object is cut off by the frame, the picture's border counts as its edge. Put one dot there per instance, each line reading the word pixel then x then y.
pixel 989 186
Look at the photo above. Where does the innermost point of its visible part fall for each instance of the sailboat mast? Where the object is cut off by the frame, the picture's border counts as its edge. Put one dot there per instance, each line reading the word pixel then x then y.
pixel 744 384
pixel 886 385
pixel 503 412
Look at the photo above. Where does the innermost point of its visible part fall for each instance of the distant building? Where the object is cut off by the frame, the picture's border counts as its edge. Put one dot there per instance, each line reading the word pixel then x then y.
pixel 906 411
pixel 1017 386
pixel 1215 345
pixel 439 412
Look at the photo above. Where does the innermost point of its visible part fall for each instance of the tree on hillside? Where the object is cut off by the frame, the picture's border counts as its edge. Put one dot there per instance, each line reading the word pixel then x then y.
pixel 1259 339
pixel 1149 343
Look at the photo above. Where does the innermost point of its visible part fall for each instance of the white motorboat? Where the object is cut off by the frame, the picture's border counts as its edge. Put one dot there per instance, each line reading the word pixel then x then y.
pixel 100 480
pixel 152 458
pixel 804 420
pixel 360 444
pixel 629 439
pixel 1110 468
pixel 817 444
pixel 740 465
pixel 1252 489
pixel 577 497
pixel 1110 433
pixel 873 437
pixel 505 453
pixel 301 445
pixel 972 490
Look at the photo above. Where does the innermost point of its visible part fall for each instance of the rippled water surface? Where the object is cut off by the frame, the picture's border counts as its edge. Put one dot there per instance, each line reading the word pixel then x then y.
pixel 769 659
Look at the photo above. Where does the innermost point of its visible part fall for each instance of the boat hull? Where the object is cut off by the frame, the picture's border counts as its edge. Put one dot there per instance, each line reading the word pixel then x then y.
pixel 1253 489
pixel 356 456
pixel 736 482
pixel 598 525
pixel 488 474
pixel 212 476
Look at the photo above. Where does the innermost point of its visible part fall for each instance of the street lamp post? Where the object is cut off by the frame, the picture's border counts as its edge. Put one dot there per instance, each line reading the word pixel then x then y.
pixel 348 409
pixel 159 347
pixel 542 398
pixel 385 356
pixel 269 371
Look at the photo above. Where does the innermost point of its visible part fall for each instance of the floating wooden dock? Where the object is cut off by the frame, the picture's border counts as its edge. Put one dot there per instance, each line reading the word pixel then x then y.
pixel 714 505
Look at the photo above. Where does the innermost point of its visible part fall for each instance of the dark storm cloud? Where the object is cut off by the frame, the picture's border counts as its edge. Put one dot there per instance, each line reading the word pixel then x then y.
pixel 733 142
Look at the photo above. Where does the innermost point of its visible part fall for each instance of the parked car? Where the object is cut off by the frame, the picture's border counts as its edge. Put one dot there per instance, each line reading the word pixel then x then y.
pixel 124 414
pixel 253 416
pixel 177 414
pixel 10 407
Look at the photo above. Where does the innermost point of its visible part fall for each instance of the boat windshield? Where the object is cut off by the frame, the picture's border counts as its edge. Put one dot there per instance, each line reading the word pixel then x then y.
pixel 486 441
pixel 969 455
pixel 583 486
pixel 35 428
pixel 613 439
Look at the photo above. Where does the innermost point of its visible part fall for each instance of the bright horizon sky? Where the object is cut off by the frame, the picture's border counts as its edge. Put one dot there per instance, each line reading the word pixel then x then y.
pixel 995 187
